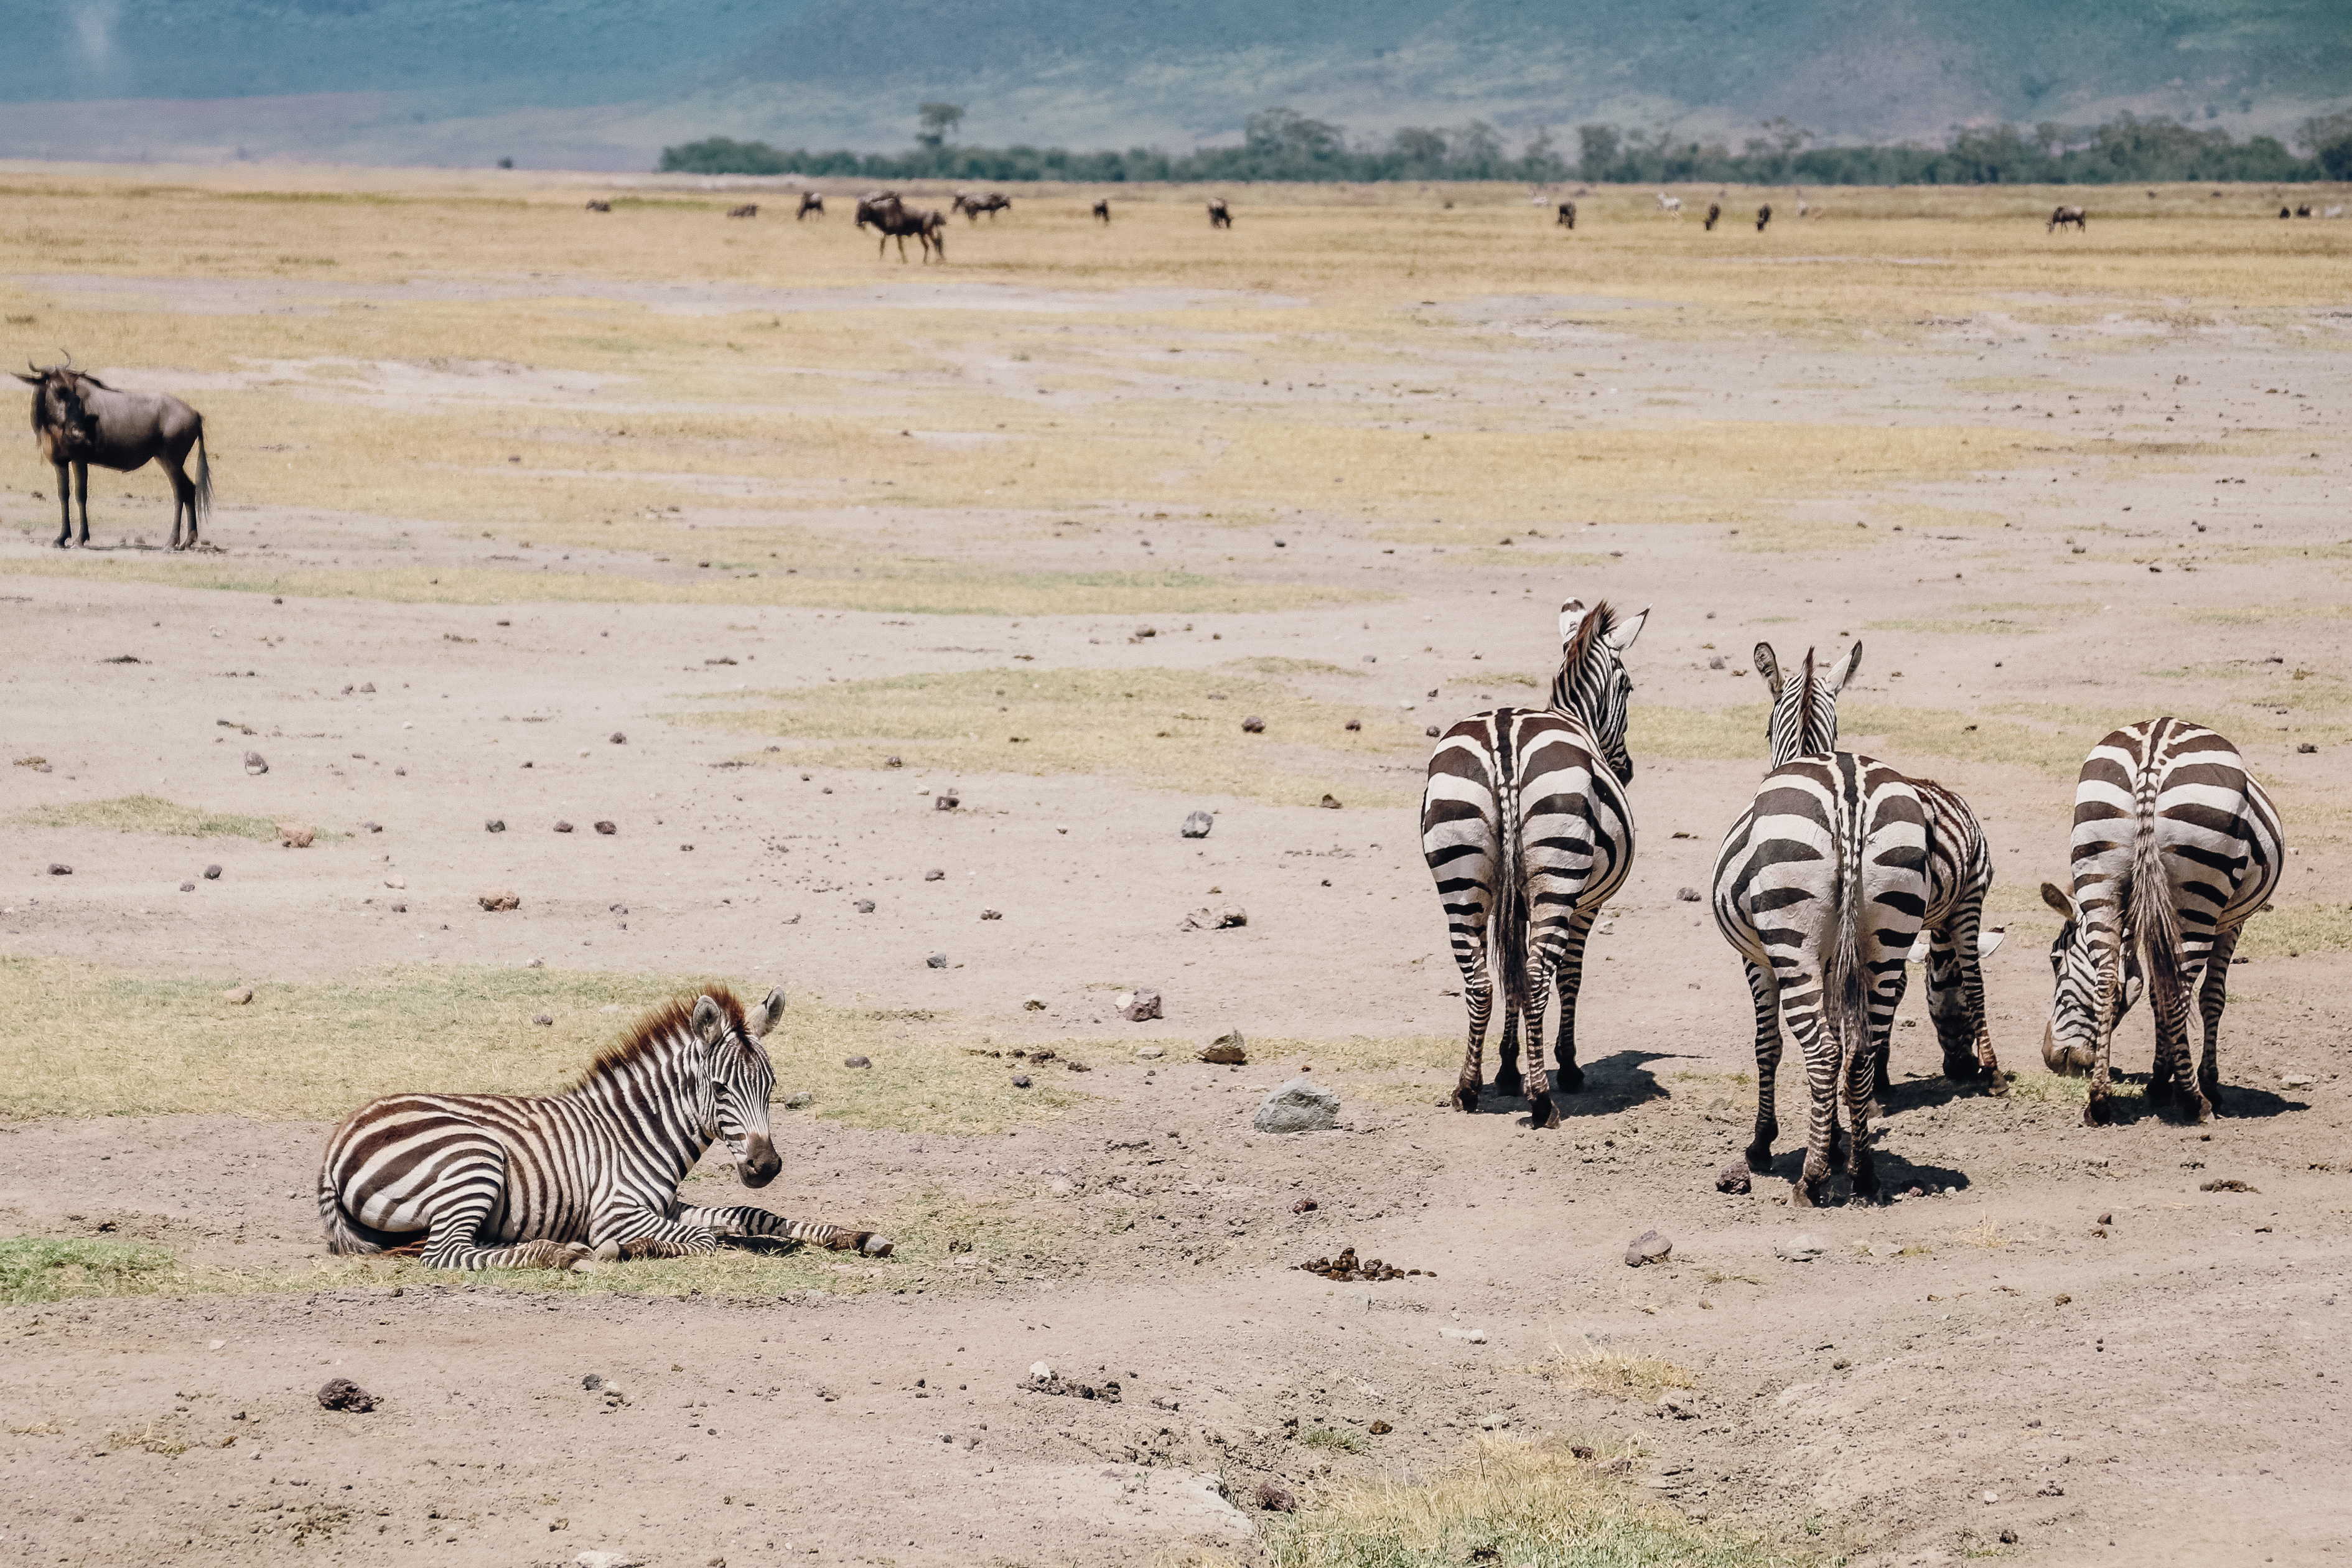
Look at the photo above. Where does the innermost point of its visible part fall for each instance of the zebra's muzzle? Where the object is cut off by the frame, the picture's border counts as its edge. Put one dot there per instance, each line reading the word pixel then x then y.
pixel 759 1162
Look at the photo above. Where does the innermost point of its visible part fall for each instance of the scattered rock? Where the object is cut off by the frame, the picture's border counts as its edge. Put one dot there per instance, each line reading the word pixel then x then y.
pixel 400 908
pixel 1138 1005
pixel 619 738
pixel 1044 1379
pixel 1650 1246
pixel 1680 1405
pixel 2009 1538
pixel 2305 748
pixel 212 873
pixel 947 802
pixel 187 887
pixel 1277 1499
pixel 893 761
pixel 1468 1336
pixel 606 829
pixel 1714 663
pixel 1579 1451
pixel 1197 824
pixel 1355 724
pixel 59 869
pixel 563 828
pixel 254 764
pixel 342 1394
pixel 935 875
pixel 237 995
pixel 1329 803
pixel 1297 1106
pixel 1032 1004
pixel 1222 919
pixel 1305 1206
pixel 799 1099
pixel 609 1559
pixel 498 899
pixel 1432 730
pixel 1021 1080
pixel 1686 895
pixel 1253 725
pixel 2227 1185
pixel 2106 1219
pixel 371 827
pixel 543 1019
pixel 1150 1053
pixel 592 1381
pixel 1733 1177
pixel 937 961
pixel 857 1061
pixel 1380 1428
pixel 1227 1050
pixel 1346 1267
pixel 494 825
pixel 992 914
pixel 296 836
pixel 1801 1247
pixel 864 906
pixel 2297 1080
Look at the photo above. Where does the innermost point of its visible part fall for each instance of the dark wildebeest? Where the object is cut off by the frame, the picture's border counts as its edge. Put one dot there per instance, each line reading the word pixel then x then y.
pixel 811 202
pixel 1714 211
pixel 885 211
pixel 1219 216
pixel 972 206
pixel 1102 210
pixel 595 205
pixel 749 209
pixel 2061 216
pixel 1763 217
pixel 80 420
pixel 2303 209
pixel 1567 218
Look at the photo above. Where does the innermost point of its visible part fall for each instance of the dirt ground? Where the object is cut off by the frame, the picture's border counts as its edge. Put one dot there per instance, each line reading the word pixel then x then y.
pixel 2056 1345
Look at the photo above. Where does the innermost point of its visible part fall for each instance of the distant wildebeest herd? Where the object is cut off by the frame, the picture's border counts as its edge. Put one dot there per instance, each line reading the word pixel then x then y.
pixel 1840 871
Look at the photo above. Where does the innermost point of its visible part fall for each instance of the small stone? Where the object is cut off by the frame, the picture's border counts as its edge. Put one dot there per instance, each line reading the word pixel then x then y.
pixel 1021 1080
pixel 498 899
pixel 254 764
pixel 1716 662
pixel 400 908
pixel 1197 824
pixel 619 738
pixel 1150 1053
pixel 856 1061
pixel 937 961
pixel 494 825
pixel 1277 1499
pixel 1650 1246
pixel 371 827
pixel 1380 1428
pixel 1468 1336
pixel 2106 1219
pixel 1355 724
pixel 1680 1406
pixel 606 829
pixel 2305 748
pixel 799 1099
pixel 863 906
pixel 1801 1247
pixel 342 1394
pixel 1032 1004
pixel 59 869
pixel 2297 1080
pixel 296 834
pixel 1686 895
pixel 1298 1106
pixel 992 914
pixel 946 802
pixel 1329 803
pixel 1432 730
pixel 1733 1177
pixel 237 995
pixel 1139 1004
pixel 187 887
pixel 212 873
pixel 369 688
pixel 686 848
pixel 1305 1206
pixel 1991 1497
pixel 543 1019
pixel 893 761
pixel 2009 1538
pixel 935 875
pixel 1253 725
pixel 1227 1050
pixel 609 1559
pixel 563 828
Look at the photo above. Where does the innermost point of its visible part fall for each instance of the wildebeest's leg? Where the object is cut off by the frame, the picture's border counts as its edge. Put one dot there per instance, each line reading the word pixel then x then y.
pixel 64 506
pixel 183 495
pixel 2212 999
pixel 1766 992
pixel 81 494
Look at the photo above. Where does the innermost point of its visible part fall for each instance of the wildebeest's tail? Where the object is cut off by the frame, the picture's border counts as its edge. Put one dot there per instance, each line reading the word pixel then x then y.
pixel 1845 1009
pixel 204 473
pixel 2154 923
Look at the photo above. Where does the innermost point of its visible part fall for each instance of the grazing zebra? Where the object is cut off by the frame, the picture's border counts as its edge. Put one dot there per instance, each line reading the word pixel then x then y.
pixel 501 1181
pixel 1822 888
pixel 2175 845
pixel 1527 831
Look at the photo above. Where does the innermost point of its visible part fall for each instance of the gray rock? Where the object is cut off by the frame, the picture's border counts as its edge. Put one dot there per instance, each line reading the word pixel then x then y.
pixel 543 1019
pixel 1432 730
pixel 1733 1177
pixel 1021 1080
pixel 1686 895
pixel 619 738
pixel 342 1394
pixel 937 961
pixel 606 829
pixel 1227 1050
pixel 864 906
pixel 1650 1246
pixel 254 764
pixel 494 825
pixel 563 828
pixel 1197 826
pixel 1223 918
pixel 1298 1106
pixel 934 875
pixel 1714 663
pixel 857 1061
pixel 799 1099
pixel 947 802
pixel 59 869
pixel 187 887
pixel 1033 1004
pixel 1253 725
pixel 592 1381
pixel 1137 1005
pixel 1801 1247
pixel 609 1559
pixel 1681 1404
pixel 212 873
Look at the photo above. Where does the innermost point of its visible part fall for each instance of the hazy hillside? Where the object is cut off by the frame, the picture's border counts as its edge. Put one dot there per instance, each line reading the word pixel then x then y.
pixel 606 83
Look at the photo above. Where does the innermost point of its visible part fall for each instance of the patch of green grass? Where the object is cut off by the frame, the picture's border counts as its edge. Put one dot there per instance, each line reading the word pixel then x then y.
pixel 2296 931
pixel 1525 1505
pixel 35 1270
pixel 1169 728
pixel 149 814
pixel 317 1051
pixel 1337 1439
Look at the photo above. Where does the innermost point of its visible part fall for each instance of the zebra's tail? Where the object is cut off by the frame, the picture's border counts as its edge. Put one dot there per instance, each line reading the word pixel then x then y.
pixel 2156 924
pixel 1845 1010
pixel 346 1237
pixel 1508 928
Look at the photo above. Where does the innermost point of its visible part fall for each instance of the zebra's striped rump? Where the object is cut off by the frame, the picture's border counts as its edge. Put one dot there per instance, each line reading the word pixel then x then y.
pixel 2174 847
pixel 498 1181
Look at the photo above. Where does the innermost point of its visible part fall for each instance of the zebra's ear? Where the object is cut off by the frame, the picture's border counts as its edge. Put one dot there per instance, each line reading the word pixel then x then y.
pixel 708 1021
pixel 1621 635
pixel 1571 616
pixel 2059 899
pixel 1768 665
pixel 763 1018
pixel 1852 663
pixel 1989 942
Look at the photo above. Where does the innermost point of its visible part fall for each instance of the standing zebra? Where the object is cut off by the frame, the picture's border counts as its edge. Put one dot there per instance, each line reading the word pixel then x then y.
pixel 501 1181
pixel 2175 845
pixel 1823 887
pixel 1527 831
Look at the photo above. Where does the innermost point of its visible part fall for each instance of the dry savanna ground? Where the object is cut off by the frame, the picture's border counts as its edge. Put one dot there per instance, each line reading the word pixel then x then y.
pixel 756 545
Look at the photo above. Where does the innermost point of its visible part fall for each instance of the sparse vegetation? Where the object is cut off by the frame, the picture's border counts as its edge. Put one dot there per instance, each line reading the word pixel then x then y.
pixel 149 814
pixel 1611 1372
pixel 38 1269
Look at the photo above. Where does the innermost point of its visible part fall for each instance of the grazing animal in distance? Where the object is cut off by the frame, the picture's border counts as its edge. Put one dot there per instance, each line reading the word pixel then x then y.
pixel 2061 216
pixel 811 202
pixel 550 1181
pixel 1102 209
pixel 749 209
pixel 2283 213
pixel 1820 888
pixel 1673 204
pixel 1220 214
pixel 2303 209
pixel 888 212
pixel 1567 218
pixel 1713 212
pixel 972 206
pixel 1528 832
pixel 2174 847
pixel 598 204
pixel 1764 216
pixel 78 420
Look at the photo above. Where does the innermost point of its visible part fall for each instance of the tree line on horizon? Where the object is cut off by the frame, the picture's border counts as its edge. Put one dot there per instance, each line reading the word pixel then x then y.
pixel 1280 144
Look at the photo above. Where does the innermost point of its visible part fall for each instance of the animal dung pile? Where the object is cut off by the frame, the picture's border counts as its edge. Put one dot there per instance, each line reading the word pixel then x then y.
pixel 1346 1270
pixel 1044 1379
pixel 497 898
pixel 342 1394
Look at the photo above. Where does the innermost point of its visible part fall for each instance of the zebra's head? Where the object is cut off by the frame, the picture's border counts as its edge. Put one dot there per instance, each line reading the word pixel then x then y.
pixel 740 1078
pixel 2070 1040
pixel 1804 710
pixel 1592 683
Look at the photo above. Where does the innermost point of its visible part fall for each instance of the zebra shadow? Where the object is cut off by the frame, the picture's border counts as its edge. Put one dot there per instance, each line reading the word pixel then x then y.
pixel 1612 1083
pixel 1896 1176
pixel 1921 1091
pixel 2238 1102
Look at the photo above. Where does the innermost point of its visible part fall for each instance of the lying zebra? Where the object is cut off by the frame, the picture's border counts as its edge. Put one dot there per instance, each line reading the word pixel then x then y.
pixel 550 1181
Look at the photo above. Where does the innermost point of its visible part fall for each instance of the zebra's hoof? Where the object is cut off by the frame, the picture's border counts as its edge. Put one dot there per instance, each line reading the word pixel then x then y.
pixel 2095 1113
pixel 1760 1158
pixel 584 1266
pixel 876 1247
pixel 1567 1081
pixel 1465 1098
pixel 1542 1113
pixel 607 1252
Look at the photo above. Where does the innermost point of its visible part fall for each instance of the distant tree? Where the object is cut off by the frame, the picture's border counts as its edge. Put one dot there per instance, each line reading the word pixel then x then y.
pixel 1291 138
pixel 1597 150
pixel 1539 159
pixel 2328 138
pixel 940 121
pixel 1421 151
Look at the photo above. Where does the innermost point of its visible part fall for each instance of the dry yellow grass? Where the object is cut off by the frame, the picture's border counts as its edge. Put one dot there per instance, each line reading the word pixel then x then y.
pixel 151 814
pixel 1611 1372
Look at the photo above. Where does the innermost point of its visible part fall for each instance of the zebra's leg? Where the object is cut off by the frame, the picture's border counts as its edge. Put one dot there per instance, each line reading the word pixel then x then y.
pixel 2212 997
pixel 1467 920
pixel 1569 981
pixel 1509 1084
pixel 1764 992
pixel 1815 1042
pixel 1883 1046
pixel 1541 1111
pixel 452 1237
pixel 1947 1006
pixel 743 1221
pixel 2098 1108
pixel 631 1230
pixel 2174 1062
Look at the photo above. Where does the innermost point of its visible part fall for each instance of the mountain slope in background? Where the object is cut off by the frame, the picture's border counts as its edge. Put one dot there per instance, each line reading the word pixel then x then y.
pixel 605 83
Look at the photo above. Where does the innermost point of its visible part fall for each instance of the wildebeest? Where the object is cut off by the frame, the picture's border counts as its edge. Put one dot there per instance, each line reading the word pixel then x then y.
pixel 1763 217
pixel 1219 216
pixel 749 209
pixel 2283 213
pixel 1714 211
pixel 1102 210
pixel 1668 203
pixel 2303 209
pixel 80 420
pixel 811 202
pixel 596 206
pixel 887 211
pixel 972 206
pixel 1567 218
pixel 2061 216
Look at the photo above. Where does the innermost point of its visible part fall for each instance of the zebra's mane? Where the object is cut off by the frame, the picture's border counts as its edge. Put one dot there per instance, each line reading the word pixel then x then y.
pixel 671 1019
pixel 1598 623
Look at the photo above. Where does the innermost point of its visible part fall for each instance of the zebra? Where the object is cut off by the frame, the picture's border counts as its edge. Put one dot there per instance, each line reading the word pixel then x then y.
pixel 1823 887
pixel 2174 847
pixel 499 1181
pixel 1527 830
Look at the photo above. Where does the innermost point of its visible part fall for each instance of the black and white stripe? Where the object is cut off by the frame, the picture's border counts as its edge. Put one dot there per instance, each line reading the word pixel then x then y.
pixel 2174 847
pixel 497 1181
pixel 1527 832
